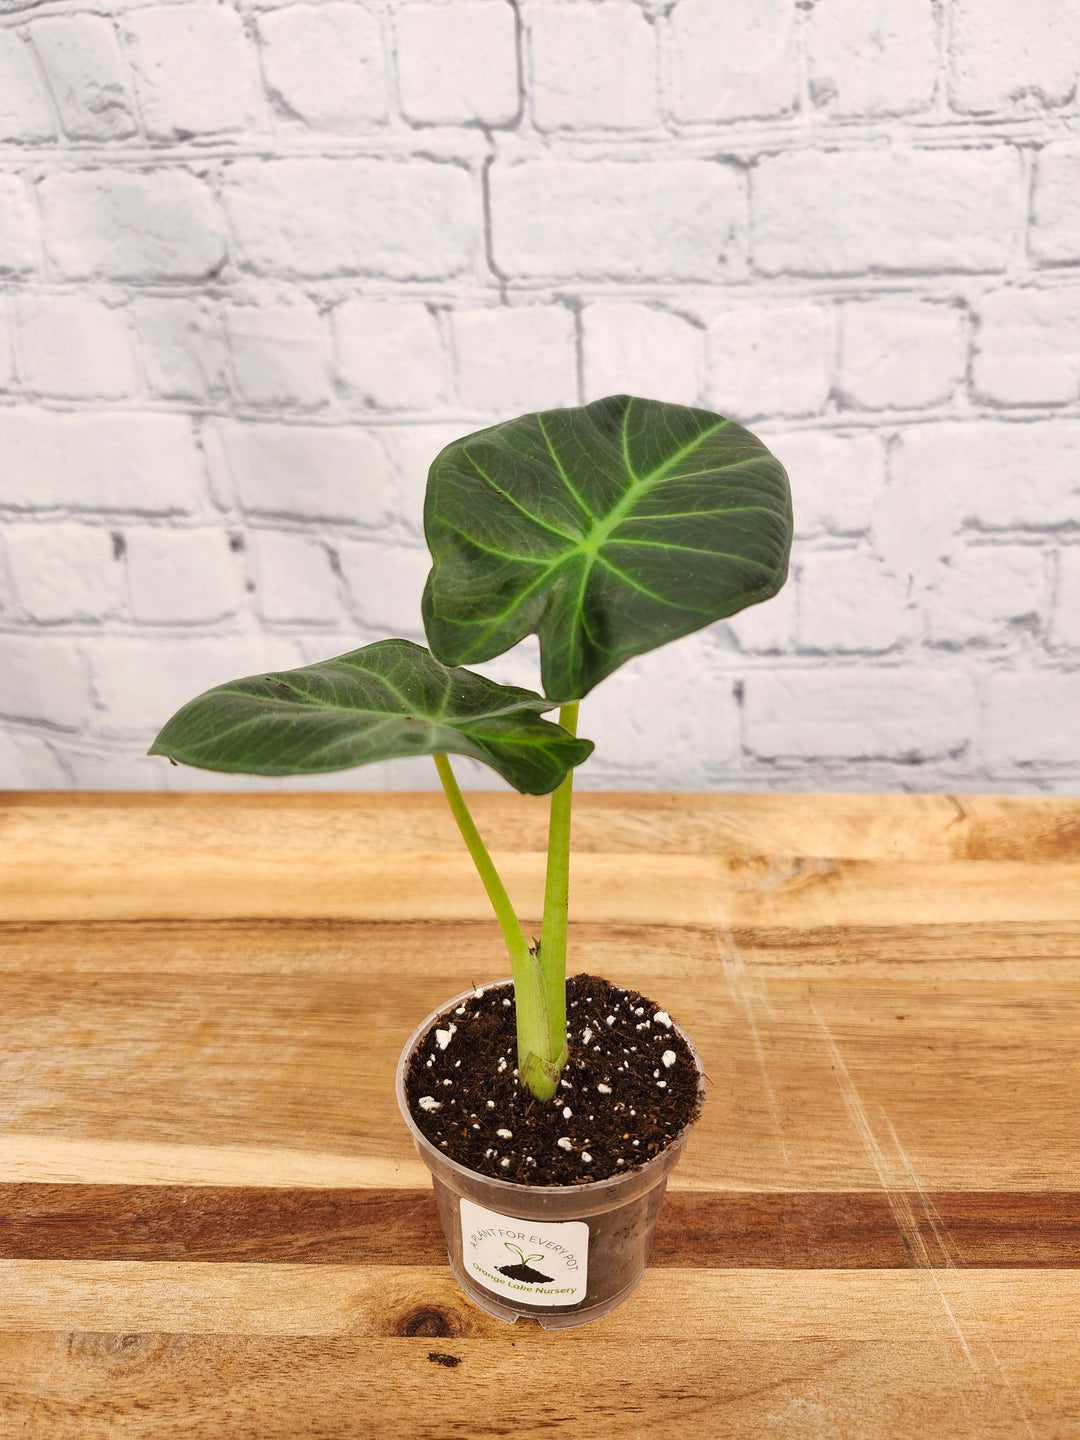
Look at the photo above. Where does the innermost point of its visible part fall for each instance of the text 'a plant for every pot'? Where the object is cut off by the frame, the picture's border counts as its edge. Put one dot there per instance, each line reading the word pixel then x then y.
pixel 550 1114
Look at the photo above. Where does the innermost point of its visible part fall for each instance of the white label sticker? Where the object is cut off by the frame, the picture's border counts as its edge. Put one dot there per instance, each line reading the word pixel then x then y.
pixel 535 1261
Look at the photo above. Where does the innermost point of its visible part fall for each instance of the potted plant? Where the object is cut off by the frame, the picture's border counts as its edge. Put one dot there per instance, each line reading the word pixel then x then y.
pixel 549 1112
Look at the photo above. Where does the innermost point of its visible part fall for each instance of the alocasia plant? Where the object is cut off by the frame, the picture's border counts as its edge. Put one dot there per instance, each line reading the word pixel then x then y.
pixel 606 531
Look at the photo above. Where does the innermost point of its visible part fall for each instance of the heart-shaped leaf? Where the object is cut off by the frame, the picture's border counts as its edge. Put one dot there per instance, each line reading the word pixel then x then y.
pixel 606 530
pixel 385 701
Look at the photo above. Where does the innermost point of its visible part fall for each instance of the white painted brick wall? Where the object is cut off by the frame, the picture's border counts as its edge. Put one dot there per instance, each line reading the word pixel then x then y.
pixel 871 60
pixel 74 348
pixel 194 73
pixel 593 66
pixel 87 75
pixel 457 62
pixel 325 66
pixel 258 265
pixel 26 113
pixel 151 226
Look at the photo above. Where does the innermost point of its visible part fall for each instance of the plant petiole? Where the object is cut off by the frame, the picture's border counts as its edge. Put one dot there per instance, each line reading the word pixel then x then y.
pixel 536 1066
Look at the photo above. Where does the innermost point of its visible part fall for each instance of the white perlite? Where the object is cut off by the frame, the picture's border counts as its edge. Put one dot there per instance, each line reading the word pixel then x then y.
pixel 586 1035
pixel 428 1102
pixel 604 1089
pixel 505 1134
pixel 196 341
pixel 663 1018
pixel 669 1057
pixel 565 1143
pixel 567 1112
pixel 443 1037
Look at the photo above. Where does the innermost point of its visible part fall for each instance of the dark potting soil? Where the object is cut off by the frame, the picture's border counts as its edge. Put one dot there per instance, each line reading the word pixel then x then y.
pixel 628 1089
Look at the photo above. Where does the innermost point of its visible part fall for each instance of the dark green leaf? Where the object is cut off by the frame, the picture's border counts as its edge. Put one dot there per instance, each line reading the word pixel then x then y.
pixel 379 703
pixel 606 530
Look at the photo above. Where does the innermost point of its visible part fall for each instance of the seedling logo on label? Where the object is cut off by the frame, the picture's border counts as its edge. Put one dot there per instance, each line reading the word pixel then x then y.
pixel 538 1262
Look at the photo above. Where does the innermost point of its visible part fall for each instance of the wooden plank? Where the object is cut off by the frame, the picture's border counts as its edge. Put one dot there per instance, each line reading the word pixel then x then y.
pixel 798 1231
pixel 128 883
pixel 455 952
pixel 820 1082
pixel 856 827
pixel 382 1300
pixel 906 1380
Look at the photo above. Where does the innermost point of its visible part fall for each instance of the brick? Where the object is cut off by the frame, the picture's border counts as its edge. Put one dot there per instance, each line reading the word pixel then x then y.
pixel 1029 717
pixel 772 360
pixel 26 114
pixel 140 683
pixel 1027 349
pixel 18 237
pixel 843 713
pixel 457 64
pixel 900 354
pixel 325 66
pixel 725 68
pixel 510 360
pixel 43 680
pixel 667 719
pixel 768 628
pixel 151 225
pixel 1003 57
pixel 194 73
pixel 639 350
pixel 871 60
pixel 280 354
pixel 820 212
pixel 181 577
pixel 85 68
pixel 849 602
pixel 593 67
pixel 28 763
pixel 65 572
pixel 144 463
pixel 673 219
pixel 1008 476
pixel 1054 237
pixel 986 595
pixel 295 583
pixel 1065 627
pixel 384 582
pixel 309 472
pixel 414 220
pixel 991 474
pixel 836 480
pixel 75 348
pixel 390 354
pixel 185 351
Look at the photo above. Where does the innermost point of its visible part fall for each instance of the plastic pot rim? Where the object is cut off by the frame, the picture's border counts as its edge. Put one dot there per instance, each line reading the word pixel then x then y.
pixel 600 1188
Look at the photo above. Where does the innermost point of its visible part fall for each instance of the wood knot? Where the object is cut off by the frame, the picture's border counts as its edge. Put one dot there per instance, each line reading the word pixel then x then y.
pixel 429 1321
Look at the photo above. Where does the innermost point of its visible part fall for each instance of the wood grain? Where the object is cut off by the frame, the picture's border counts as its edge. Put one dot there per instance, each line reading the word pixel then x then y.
pixel 212 1221
pixel 777 1230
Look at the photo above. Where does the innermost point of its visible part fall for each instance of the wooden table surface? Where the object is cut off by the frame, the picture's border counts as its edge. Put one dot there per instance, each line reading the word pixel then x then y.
pixel 213 1223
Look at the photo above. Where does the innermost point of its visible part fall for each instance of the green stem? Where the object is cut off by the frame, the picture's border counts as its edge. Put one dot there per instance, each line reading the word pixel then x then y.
pixel 556 902
pixel 533 1025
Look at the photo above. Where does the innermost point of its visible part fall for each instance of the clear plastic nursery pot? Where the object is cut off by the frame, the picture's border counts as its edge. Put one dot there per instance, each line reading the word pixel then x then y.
pixel 592 1240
